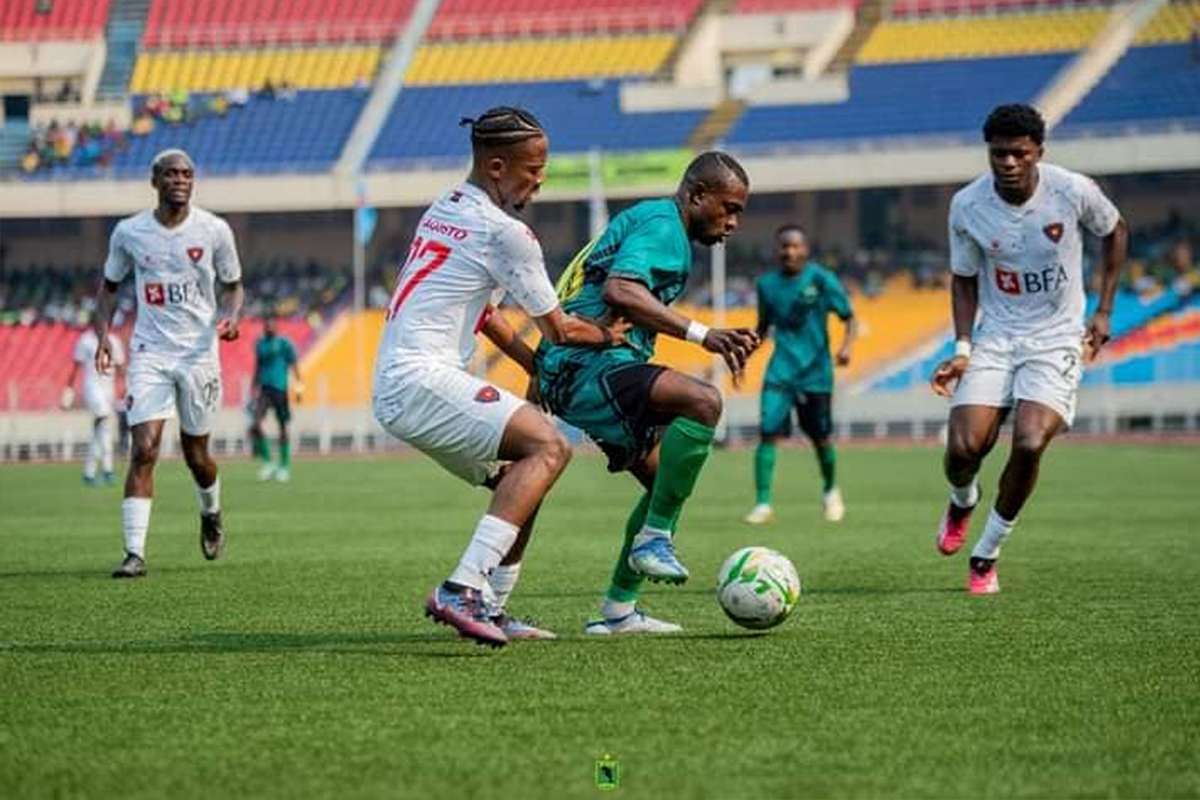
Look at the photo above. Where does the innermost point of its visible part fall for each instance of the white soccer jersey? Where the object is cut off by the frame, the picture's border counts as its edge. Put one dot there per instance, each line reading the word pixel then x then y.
pixel 467 253
pixel 85 356
pixel 1029 258
pixel 175 269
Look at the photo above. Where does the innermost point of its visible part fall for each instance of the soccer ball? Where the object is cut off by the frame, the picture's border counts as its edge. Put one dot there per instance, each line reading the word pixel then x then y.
pixel 757 587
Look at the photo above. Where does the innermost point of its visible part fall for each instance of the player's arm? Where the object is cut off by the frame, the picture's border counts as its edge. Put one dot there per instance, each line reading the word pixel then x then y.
pixel 966 261
pixel 68 392
pixel 764 313
pixel 632 300
pixel 501 334
pixel 840 302
pixel 559 327
pixel 1114 248
pixel 229 275
pixel 849 335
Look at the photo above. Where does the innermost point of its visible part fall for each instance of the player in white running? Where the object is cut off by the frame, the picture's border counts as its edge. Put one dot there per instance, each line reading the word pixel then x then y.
pixel 178 254
pixel 1016 251
pixel 467 252
pixel 99 396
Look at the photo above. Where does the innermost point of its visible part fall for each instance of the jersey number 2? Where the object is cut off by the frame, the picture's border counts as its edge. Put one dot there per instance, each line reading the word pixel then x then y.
pixel 433 253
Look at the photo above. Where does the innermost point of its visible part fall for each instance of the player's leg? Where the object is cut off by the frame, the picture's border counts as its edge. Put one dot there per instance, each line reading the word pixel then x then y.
pixel 619 612
pixel 198 394
pixel 105 432
pixel 502 580
pixel 775 422
pixel 1034 426
pixel 815 413
pixel 980 403
pixel 283 416
pixel 145 439
pixel 694 408
pixel 1044 387
pixel 92 460
pixel 258 440
pixel 149 401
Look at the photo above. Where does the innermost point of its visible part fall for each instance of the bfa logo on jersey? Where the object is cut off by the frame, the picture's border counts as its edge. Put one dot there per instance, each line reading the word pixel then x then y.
pixel 1053 231
pixel 195 254
pixel 1007 281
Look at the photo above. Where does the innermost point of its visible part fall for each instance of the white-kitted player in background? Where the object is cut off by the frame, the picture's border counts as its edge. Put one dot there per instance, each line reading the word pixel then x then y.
pixel 1016 251
pixel 99 398
pixel 178 254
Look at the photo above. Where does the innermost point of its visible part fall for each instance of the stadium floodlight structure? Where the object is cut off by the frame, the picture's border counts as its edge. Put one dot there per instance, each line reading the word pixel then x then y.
pixel 358 149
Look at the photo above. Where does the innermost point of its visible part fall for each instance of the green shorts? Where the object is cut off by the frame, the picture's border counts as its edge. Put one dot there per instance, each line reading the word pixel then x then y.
pixel 605 394
pixel 814 412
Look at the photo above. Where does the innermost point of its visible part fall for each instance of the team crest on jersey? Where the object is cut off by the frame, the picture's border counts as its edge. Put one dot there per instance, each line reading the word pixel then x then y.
pixel 195 254
pixel 1007 281
pixel 488 394
pixel 1053 231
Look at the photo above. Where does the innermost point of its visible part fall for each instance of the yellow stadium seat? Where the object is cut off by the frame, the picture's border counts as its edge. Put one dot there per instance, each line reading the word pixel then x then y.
pixel 538 59
pixel 1173 23
pixel 206 71
pixel 976 37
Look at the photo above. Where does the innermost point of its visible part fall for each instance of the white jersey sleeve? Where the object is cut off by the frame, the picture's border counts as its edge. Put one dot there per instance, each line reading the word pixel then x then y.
pixel 119 262
pixel 515 262
pixel 225 256
pixel 1096 212
pixel 966 259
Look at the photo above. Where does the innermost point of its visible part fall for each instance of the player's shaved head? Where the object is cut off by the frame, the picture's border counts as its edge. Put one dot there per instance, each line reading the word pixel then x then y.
pixel 510 150
pixel 712 195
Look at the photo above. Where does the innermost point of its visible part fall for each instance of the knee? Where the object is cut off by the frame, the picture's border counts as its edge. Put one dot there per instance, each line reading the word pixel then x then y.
pixel 1029 444
pixel 706 405
pixel 962 446
pixel 143 455
pixel 556 451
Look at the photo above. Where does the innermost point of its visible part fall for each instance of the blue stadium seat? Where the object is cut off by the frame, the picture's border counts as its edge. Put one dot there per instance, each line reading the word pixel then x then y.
pixel 932 97
pixel 1148 84
pixel 578 114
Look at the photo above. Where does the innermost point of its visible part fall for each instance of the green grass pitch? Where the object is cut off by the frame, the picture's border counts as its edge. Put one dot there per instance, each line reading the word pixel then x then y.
pixel 300 664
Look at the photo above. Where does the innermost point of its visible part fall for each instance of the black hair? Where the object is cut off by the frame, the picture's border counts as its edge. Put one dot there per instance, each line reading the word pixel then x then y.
pixel 502 125
pixel 713 169
pixel 1013 121
pixel 790 227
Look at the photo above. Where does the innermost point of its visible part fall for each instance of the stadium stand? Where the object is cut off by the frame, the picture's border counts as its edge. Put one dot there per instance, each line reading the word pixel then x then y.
pixel 951 96
pixel 183 23
pixel 334 67
pixel 513 18
pixel 542 59
pixel 580 115
pixel 61 20
pixel 1158 84
pixel 786 6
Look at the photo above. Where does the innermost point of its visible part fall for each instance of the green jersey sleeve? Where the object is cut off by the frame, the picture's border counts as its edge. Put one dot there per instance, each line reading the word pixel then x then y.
pixel 764 309
pixel 839 301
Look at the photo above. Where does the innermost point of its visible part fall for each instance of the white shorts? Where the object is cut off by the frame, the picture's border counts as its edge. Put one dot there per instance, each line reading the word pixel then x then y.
pixel 158 388
pixel 1003 371
pixel 98 401
pixel 453 417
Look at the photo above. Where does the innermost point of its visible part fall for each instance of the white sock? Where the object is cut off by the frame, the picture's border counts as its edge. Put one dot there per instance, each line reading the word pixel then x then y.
pixel 106 444
pixel 995 532
pixel 135 521
pixel 210 498
pixel 492 540
pixel 503 579
pixel 647 533
pixel 93 453
pixel 615 609
pixel 965 496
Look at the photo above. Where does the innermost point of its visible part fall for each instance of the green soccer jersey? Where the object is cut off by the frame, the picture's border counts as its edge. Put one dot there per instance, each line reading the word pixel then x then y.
pixel 646 243
pixel 797 307
pixel 273 355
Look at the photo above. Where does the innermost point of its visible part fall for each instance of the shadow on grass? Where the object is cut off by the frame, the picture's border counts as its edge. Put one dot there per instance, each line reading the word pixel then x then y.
pixel 430 645
pixel 883 590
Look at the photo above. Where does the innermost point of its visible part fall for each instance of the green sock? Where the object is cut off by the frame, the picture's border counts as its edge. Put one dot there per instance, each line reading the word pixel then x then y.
pixel 262 450
pixel 764 472
pixel 285 454
pixel 827 459
pixel 685 448
pixel 626 584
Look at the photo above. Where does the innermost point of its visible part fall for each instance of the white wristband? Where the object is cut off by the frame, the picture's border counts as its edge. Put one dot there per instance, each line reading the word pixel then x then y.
pixel 962 347
pixel 696 332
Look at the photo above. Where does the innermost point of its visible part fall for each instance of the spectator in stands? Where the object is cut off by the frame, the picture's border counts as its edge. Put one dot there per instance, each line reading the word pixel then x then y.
pixel 238 97
pixel 287 91
pixel 30 161
pixel 218 105
pixel 1187 274
pixel 267 92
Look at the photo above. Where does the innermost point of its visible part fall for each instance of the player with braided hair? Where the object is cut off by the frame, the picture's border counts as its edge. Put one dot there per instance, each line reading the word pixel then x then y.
pixel 468 252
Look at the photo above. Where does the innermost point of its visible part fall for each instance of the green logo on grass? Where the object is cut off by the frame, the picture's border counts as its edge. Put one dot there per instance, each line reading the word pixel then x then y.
pixel 608 773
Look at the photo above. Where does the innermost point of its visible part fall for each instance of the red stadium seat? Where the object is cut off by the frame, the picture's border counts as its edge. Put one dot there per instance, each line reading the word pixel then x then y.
pixel 66 19
pixel 184 23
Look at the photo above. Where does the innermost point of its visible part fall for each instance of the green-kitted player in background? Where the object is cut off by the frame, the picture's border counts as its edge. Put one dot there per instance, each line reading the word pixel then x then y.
pixel 274 356
pixel 796 300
